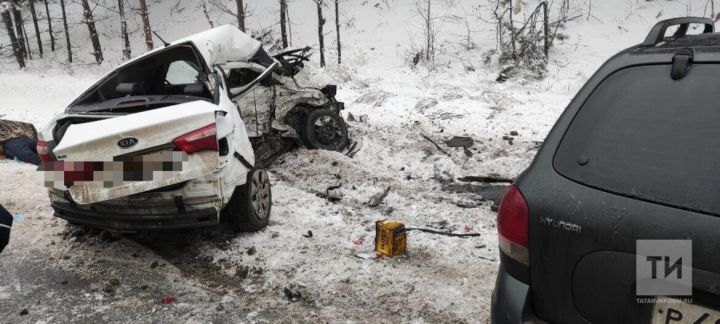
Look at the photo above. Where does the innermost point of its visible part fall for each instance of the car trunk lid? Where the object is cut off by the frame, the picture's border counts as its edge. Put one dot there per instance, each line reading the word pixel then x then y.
pixel 139 146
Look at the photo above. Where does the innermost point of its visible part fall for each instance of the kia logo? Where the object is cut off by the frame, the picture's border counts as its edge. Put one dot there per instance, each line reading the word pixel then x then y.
pixel 127 142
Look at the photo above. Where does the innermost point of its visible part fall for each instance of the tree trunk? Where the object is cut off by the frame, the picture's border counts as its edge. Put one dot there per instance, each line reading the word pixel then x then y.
pixel 37 28
pixel 283 23
pixel 321 38
pixel 546 28
pixel 27 40
pixel 146 25
pixel 203 4
pixel 428 32
pixel 94 38
pixel 127 52
pixel 337 31
pixel 240 14
pixel 67 32
pixel 19 29
pixel 512 34
pixel 289 26
pixel 50 31
pixel 13 39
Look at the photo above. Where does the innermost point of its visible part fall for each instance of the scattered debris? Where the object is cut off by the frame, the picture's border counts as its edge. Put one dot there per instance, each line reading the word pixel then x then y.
pixel 509 139
pixel 352 149
pixel 292 296
pixel 377 199
pixel 427 230
pixel 423 105
pixel 309 234
pixel 469 203
pixel 108 288
pixel 369 255
pixel 486 179
pixel 485 192
pixel 331 194
pixel 374 98
pixel 167 300
pixel 434 143
pixel 460 141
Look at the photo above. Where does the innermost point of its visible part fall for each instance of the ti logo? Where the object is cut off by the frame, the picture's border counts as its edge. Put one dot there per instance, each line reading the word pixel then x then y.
pixel 663 267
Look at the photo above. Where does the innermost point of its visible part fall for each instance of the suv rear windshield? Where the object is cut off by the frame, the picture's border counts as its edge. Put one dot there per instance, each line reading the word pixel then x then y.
pixel 644 135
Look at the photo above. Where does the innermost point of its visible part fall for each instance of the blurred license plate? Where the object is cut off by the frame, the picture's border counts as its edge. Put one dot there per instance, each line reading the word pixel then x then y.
pixel 668 310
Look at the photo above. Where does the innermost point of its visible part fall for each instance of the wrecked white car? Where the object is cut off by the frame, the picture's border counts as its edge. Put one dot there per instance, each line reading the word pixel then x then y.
pixel 279 107
pixel 164 141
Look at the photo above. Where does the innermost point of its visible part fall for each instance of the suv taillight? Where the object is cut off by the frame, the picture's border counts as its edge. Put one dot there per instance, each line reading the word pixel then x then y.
pixel 512 224
pixel 203 139
pixel 44 151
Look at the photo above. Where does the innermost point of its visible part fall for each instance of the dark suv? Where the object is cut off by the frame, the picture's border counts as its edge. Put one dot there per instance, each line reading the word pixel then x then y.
pixel 635 156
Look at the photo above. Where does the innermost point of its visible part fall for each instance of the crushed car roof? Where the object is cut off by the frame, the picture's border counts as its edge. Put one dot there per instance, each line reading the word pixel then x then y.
pixel 223 44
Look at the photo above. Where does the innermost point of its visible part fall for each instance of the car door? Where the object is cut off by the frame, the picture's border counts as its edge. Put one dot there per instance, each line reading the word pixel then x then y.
pixel 256 104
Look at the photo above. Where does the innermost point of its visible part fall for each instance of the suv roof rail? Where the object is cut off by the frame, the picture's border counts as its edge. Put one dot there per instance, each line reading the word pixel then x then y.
pixel 657 33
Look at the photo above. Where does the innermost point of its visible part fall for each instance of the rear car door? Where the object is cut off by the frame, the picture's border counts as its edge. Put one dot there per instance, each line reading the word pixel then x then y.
pixel 638 161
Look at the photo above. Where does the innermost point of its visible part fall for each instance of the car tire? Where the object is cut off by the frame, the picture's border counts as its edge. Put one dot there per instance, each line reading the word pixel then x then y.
pixel 250 205
pixel 324 129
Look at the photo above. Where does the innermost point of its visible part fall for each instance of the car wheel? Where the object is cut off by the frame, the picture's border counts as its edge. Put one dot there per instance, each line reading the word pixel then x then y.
pixel 324 129
pixel 250 204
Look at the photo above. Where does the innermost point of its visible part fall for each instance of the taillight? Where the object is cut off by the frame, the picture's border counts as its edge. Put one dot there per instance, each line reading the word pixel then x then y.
pixel 43 151
pixel 512 224
pixel 203 139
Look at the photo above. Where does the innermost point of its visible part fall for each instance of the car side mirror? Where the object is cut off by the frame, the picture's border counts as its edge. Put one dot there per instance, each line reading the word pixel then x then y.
pixel 236 92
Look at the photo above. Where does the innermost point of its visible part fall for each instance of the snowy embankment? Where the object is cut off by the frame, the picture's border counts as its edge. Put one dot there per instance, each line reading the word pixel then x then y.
pixel 217 274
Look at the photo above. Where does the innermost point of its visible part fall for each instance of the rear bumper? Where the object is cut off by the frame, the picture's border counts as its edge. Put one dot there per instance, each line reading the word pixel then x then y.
pixel 136 222
pixel 511 301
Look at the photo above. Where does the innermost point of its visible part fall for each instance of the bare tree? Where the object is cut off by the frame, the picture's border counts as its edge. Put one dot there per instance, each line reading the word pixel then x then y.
pixel 425 12
pixel 27 40
pixel 127 52
pixel 203 5
pixel 321 37
pixel 337 32
pixel 67 32
pixel 5 14
pixel 50 30
pixel 283 23
pixel 147 30
pixel 31 4
pixel 19 30
pixel 94 38
pixel 240 14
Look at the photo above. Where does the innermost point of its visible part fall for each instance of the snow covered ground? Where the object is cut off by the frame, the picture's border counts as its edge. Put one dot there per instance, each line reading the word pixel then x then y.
pixel 217 275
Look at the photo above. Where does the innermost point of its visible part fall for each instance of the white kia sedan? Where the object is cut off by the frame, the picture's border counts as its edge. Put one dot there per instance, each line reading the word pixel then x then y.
pixel 160 142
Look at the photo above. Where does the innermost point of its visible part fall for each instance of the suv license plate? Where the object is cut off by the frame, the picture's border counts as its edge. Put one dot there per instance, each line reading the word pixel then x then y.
pixel 669 310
